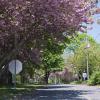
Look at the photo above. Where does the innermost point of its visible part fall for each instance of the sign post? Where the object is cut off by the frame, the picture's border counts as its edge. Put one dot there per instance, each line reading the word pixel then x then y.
pixel 15 67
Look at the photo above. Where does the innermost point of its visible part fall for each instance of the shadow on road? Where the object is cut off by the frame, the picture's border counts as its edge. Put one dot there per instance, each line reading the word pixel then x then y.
pixel 56 86
pixel 55 93
pixel 59 95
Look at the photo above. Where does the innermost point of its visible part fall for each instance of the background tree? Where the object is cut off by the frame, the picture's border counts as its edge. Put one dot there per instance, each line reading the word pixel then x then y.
pixel 51 58
pixel 78 59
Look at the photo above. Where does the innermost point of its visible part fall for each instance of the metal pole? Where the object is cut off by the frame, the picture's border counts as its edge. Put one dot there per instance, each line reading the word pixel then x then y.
pixel 15 76
pixel 87 41
pixel 87 66
pixel 15 61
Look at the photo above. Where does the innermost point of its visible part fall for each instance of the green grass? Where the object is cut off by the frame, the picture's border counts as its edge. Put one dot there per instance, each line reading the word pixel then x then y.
pixel 75 82
pixel 9 92
pixel 79 82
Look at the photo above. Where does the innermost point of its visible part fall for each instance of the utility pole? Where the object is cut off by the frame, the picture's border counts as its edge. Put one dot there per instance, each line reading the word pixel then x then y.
pixel 87 58
pixel 87 65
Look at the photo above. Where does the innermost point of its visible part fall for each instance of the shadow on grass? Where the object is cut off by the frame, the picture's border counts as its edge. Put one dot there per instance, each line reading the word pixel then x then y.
pixel 8 93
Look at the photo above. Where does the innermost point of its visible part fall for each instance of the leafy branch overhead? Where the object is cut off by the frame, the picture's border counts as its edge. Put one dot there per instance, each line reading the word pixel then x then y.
pixel 27 22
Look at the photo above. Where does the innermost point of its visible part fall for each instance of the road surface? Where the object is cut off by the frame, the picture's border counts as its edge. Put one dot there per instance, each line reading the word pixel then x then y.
pixel 63 92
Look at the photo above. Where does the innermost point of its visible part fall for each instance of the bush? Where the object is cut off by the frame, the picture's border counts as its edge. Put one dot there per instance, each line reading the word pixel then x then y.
pixel 95 78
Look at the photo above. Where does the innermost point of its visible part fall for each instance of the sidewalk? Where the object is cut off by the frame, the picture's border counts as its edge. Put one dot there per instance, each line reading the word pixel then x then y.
pixel 93 92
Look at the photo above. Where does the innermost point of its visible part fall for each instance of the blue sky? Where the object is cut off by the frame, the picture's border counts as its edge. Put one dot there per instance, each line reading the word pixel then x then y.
pixel 95 32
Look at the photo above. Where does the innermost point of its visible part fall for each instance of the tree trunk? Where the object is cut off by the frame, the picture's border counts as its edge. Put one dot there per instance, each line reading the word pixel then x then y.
pixel 46 75
pixel 46 78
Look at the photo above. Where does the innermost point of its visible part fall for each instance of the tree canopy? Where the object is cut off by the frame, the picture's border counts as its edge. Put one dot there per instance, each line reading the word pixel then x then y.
pixel 25 24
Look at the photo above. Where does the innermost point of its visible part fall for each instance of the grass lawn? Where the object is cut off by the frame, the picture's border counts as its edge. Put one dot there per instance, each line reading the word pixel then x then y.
pixel 6 93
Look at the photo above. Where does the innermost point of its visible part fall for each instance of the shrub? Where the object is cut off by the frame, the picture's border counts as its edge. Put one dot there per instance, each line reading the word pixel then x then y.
pixel 95 78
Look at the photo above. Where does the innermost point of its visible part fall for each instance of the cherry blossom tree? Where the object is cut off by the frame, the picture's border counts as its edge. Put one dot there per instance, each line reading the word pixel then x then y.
pixel 27 21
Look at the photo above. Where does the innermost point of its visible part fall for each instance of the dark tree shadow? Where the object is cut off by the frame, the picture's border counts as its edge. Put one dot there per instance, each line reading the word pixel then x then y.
pixel 47 93
pixel 56 86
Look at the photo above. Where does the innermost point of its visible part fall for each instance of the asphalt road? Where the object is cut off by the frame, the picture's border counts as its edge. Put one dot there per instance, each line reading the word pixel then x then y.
pixel 63 92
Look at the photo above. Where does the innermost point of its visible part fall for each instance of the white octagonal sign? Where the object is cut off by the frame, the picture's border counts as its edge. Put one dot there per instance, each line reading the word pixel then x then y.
pixel 15 66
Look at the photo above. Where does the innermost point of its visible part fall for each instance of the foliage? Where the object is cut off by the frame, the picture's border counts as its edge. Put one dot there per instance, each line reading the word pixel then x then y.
pixel 51 56
pixel 78 40
pixel 32 73
pixel 79 59
pixel 95 78
pixel 27 21
pixel 52 61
